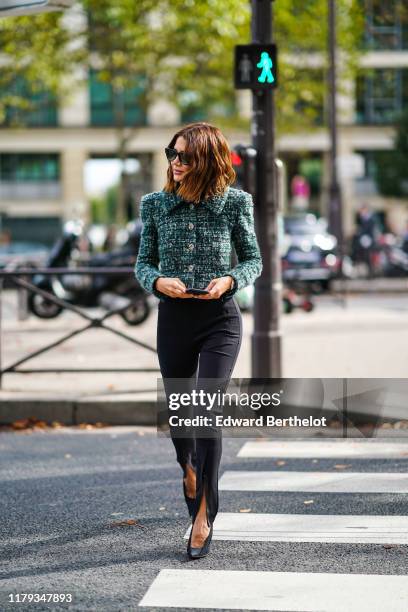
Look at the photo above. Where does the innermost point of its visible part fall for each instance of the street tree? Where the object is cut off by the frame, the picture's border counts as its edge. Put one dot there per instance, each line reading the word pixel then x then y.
pixel 36 53
pixel 180 50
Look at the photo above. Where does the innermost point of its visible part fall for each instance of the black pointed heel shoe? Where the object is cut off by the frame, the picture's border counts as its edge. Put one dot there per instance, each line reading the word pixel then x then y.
pixel 197 553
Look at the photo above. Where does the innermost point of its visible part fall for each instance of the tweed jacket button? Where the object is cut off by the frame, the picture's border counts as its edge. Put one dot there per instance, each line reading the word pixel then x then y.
pixel 191 246
pixel 191 226
pixel 191 206
pixel 190 268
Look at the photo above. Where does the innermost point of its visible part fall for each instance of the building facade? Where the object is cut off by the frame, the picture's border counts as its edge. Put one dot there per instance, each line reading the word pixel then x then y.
pixel 42 166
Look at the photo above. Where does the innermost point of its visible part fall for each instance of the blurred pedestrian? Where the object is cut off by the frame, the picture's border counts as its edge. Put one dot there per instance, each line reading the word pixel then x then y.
pixel 365 242
pixel 188 231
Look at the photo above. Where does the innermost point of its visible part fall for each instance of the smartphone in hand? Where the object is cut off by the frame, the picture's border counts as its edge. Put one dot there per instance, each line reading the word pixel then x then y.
pixel 195 291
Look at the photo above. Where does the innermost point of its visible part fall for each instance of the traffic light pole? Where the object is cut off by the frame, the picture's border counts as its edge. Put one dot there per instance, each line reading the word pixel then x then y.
pixel 335 200
pixel 266 336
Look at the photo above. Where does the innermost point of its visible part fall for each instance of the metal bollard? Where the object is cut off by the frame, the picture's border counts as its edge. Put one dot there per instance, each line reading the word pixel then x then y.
pixel 22 302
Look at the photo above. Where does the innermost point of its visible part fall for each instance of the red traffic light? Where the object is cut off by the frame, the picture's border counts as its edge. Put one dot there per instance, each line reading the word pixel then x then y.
pixel 236 159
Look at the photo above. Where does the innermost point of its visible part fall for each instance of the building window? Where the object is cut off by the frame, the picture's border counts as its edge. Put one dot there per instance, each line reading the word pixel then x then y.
pixel 108 108
pixel 386 25
pixel 38 108
pixel 366 186
pixel 381 95
pixel 32 167
pixel 30 176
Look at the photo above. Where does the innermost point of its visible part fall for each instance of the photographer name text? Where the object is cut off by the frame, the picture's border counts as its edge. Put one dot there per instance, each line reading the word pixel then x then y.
pixel 260 421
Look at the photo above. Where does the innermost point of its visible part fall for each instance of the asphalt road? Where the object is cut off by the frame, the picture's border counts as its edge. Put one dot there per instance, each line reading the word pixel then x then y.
pixel 63 490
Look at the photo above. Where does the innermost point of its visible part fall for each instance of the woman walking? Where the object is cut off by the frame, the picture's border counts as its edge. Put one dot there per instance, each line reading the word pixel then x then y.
pixel 188 232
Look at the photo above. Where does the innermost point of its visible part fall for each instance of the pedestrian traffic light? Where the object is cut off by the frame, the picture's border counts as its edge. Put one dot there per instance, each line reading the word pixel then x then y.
pixel 255 67
pixel 243 161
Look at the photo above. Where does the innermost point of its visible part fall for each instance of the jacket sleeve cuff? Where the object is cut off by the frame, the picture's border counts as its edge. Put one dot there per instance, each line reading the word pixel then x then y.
pixel 234 287
pixel 153 289
pixel 149 283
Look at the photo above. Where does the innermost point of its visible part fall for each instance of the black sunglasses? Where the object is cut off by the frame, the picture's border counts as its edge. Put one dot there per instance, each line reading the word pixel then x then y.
pixel 172 154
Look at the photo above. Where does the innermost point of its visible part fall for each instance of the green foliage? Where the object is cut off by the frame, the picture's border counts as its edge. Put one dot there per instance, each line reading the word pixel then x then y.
pixel 183 50
pixel 36 50
pixel 203 35
pixel 124 48
pixel 103 208
pixel 301 32
pixel 200 38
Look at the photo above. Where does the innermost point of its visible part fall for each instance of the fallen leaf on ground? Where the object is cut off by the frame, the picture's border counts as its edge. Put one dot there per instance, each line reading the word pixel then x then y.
pixel 40 425
pixel 125 523
pixel 308 501
pixel 280 462
pixel 20 424
pixel 401 425
pixel 96 425
pixel 341 466
pixel 245 509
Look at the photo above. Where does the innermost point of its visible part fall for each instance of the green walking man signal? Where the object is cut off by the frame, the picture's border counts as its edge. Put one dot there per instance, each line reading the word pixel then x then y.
pixel 255 67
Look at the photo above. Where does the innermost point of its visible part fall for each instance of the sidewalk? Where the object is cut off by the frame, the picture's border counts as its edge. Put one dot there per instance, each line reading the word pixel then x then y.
pixel 367 341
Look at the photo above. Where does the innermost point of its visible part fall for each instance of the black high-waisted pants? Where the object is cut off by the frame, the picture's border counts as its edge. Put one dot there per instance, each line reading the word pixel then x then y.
pixel 198 340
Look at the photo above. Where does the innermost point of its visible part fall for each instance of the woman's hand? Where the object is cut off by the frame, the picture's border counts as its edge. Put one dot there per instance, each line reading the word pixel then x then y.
pixel 217 287
pixel 172 287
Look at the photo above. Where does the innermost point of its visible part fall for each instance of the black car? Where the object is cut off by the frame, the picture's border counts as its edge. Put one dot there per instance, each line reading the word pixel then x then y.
pixel 311 256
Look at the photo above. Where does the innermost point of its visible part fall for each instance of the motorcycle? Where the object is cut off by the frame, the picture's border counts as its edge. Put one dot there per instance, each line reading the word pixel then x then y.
pixel 106 290
pixel 397 260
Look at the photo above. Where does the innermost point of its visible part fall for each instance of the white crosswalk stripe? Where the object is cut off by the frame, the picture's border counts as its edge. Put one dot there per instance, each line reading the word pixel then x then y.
pixel 317 482
pixel 298 591
pixel 358 449
pixel 346 529
pixel 253 590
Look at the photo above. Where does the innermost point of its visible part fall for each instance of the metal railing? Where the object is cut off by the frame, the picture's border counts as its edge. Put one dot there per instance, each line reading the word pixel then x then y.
pixel 19 278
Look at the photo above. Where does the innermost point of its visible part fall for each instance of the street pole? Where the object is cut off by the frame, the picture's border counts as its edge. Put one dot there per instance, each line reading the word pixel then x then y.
pixel 266 336
pixel 335 204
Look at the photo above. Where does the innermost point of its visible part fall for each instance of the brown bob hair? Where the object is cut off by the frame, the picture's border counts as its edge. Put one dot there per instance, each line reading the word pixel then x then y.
pixel 211 166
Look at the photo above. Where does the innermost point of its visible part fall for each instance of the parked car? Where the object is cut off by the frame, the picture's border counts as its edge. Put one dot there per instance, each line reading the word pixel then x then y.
pixel 311 257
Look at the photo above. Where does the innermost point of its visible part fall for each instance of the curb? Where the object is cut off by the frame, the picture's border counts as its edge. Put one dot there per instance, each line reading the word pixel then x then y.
pixel 74 412
pixel 376 285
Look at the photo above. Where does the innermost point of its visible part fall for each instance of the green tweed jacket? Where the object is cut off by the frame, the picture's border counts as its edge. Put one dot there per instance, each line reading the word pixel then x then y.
pixel 193 242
